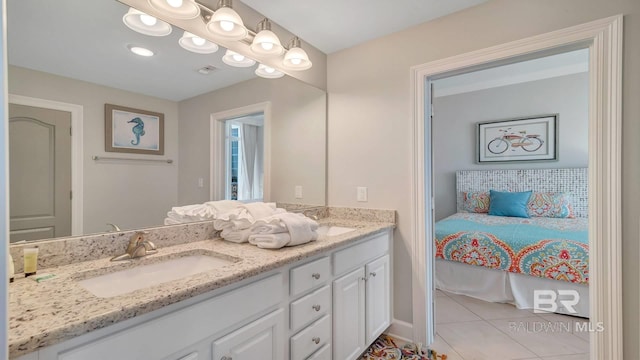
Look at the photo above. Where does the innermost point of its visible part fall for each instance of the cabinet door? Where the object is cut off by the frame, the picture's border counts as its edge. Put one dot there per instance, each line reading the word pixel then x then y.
pixel 378 297
pixel 348 315
pixel 262 339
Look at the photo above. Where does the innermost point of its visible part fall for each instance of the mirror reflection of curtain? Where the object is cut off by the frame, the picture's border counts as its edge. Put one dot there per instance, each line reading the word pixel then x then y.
pixel 251 172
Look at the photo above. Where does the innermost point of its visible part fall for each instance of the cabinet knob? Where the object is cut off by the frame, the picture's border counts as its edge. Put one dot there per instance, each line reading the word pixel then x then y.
pixel 316 340
pixel 316 307
pixel 372 274
pixel 315 276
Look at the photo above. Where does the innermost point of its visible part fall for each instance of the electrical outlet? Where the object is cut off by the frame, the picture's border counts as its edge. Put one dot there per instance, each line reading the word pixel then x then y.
pixel 200 182
pixel 362 193
pixel 298 192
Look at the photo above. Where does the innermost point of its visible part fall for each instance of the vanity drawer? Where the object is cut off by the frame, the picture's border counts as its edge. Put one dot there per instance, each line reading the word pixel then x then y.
pixel 312 338
pixel 359 254
pixel 310 307
pixel 322 354
pixel 309 276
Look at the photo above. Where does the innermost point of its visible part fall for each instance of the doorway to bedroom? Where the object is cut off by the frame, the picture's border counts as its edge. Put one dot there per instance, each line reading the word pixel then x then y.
pixel 510 156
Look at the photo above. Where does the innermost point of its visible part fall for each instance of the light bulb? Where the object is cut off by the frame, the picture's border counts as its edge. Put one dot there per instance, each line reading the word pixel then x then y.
pixel 148 19
pixel 296 61
pixel 174 3
pixel 198 41
pixel 267 45
pixel 270 70
pixel 227 25
pixel 238 57
pixel 141 51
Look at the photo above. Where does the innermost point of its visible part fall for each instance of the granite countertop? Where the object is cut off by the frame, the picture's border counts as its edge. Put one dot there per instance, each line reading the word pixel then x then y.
pixel 55 310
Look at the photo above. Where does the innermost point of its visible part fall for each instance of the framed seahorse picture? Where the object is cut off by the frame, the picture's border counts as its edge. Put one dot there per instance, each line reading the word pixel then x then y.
pixel 131 130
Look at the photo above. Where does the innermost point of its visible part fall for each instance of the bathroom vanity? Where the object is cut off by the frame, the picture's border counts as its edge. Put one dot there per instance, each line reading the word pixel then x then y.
pixel 328 299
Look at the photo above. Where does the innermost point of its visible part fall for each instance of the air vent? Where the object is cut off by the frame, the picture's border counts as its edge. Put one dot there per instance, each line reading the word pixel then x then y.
pixel 207 69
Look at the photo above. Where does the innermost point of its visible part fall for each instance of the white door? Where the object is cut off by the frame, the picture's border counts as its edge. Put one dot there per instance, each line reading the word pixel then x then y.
pixel 378 297
pixel 40 173
pixel 348 316
pixel 262 339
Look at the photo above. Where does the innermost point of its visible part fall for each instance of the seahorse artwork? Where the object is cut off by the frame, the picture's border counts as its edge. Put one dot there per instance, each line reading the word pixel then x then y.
pixel 138 130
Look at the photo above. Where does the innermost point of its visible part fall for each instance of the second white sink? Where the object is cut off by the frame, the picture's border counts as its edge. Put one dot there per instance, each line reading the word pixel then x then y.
pixel 143 276
pixel 328 230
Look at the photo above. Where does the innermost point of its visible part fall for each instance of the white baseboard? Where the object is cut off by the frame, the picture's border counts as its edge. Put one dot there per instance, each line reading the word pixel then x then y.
pixel 401 330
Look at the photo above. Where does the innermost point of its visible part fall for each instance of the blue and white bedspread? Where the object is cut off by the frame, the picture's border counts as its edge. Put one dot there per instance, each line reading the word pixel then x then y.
pixel 550 248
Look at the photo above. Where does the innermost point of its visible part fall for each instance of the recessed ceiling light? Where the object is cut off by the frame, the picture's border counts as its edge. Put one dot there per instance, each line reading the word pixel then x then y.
pixel 141 51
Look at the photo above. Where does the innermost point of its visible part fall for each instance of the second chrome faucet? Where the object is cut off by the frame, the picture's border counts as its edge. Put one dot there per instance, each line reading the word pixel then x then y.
pixel 138 247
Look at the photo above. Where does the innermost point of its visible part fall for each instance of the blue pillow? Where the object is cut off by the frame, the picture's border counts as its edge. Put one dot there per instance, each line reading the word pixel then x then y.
pixel 509 203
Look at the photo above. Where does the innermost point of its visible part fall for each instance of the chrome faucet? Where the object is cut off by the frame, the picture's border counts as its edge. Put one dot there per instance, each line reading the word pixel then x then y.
pixel 310 214
pixel 138 247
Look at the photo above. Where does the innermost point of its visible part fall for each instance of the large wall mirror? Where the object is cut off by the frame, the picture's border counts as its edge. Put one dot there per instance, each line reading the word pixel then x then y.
pixel 68 58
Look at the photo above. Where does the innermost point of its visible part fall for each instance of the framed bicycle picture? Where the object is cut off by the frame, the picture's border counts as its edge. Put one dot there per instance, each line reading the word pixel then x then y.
pixel 533 138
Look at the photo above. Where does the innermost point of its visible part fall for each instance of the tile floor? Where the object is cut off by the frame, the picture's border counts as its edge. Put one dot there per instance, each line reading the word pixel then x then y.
pixel 471 329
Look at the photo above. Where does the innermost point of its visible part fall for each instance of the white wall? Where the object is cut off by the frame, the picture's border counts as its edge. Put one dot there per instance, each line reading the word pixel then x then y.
pixel 4 189
pixel 298 133
pixel 131 195
pixel 369 127
pixel 456 116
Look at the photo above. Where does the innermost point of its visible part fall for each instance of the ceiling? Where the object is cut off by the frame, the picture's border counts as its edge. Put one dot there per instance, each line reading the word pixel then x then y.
pixel 87 40
pixel 562 64
pixel 332 25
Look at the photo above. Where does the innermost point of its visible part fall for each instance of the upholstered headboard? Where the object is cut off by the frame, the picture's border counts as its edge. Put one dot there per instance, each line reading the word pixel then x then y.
pixel 574 181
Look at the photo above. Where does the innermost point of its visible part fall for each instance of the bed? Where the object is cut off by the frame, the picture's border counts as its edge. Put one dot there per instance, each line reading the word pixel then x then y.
pixel 504 259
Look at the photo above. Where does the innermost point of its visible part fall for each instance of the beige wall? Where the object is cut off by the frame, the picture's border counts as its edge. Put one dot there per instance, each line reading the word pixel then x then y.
pixel 131 195
pixel 298 133
pixel 369 128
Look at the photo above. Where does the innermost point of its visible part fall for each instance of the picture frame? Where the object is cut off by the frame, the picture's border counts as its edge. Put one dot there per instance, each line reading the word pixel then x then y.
pixel 532 138
pixel 129 130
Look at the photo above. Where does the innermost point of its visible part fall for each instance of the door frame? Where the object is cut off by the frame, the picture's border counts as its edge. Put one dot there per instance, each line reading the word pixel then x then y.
pixel 604 39
pixel 217 148
pixel 76 151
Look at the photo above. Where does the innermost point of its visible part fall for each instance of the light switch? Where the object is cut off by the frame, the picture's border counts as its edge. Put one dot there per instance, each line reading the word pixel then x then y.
pixel 298 192
pixel 200 182
pixel 362 193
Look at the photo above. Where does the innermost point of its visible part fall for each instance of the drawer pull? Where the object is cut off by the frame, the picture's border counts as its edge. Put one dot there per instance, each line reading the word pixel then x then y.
pixel 316 340
pixel 192 356
pixel 316 307
pixel 226 358
pixel 372 274
pixel 315 276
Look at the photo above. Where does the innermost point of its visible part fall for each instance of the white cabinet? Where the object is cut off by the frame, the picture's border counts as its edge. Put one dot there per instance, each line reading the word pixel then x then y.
pixel 349 315
pixel 362 297
pixel 378 297
pixel 261 339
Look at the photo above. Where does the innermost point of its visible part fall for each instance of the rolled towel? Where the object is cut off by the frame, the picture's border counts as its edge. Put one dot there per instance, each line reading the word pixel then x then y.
pixel 300 229
pixel 236 236
pixel 270 241
pixel 268 226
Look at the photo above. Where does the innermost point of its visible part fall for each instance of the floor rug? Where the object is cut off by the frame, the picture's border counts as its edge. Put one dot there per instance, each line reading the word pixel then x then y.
pixel 385 348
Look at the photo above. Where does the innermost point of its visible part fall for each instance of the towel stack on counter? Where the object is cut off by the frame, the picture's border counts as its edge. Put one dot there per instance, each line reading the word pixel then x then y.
pixel 199 212
pixel 261 224
pixel 264 225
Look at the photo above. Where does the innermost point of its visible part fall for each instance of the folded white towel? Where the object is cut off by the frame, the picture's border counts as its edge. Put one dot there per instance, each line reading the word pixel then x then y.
pixel 259 210
pixel 238 218
pixel 222 206
pixel 265 227
pixel 270 241
pixel 236 236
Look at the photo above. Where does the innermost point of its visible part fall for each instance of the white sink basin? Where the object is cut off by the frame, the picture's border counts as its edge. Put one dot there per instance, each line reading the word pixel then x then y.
pixel 143 276
pixel 328 230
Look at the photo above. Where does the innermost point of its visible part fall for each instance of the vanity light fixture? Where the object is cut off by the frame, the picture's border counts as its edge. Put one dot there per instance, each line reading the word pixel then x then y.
pixel 296 58
pixel 234 59
pixel 196 44
pixel 266 42
pixel 177 9
pixel 145 24
pixel 225 22
pixel 140 51
pixel 268 72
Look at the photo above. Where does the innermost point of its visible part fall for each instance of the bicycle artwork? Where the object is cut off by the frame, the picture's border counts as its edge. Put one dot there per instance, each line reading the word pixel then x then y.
pixel 522 139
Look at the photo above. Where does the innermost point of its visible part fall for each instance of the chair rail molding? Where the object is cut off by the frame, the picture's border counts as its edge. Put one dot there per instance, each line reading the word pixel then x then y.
pixel 603 38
